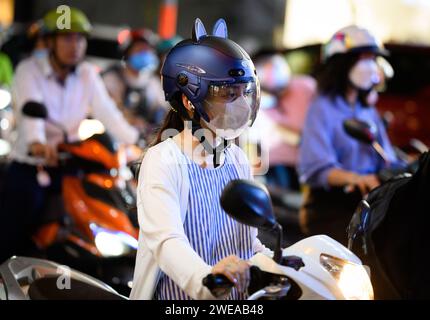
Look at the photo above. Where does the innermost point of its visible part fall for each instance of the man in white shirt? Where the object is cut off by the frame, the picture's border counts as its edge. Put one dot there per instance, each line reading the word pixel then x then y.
pixel 70 89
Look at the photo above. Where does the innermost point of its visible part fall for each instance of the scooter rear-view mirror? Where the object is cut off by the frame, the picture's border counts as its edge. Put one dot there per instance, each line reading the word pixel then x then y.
pixel 249 203
pixel 359 130
pixel 363 132
pixel 38 110
pixel 35 110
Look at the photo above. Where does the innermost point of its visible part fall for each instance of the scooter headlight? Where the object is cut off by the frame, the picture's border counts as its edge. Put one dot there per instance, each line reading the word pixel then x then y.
pixel 4 148
pixel 113 243
pixel 5 98
pixel 89 127
pixel 352 278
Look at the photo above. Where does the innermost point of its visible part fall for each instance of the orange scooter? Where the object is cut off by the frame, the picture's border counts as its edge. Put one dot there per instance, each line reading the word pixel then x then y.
pixel 96 231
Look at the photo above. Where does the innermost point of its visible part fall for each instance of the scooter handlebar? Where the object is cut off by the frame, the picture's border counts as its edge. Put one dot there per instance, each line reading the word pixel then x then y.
pixel 218 284
pixel 62 155
pixel 220 281
pixel 215 282
pixel 260 280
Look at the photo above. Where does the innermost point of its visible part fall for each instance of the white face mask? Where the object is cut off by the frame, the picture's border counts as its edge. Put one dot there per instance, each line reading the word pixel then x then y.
pixel 228 120
pixel 365 74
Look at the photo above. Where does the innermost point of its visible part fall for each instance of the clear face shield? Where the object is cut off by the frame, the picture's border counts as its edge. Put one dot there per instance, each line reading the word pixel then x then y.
pixel 231 108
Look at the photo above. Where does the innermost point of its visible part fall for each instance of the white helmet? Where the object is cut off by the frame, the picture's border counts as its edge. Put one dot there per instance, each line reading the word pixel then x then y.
pixel 352 39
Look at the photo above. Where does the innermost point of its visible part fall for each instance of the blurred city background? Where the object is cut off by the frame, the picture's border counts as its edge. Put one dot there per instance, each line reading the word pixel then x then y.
pixel 295 27
pixel 294 30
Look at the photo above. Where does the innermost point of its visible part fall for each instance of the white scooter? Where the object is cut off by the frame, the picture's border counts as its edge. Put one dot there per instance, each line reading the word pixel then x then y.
pixel 316 268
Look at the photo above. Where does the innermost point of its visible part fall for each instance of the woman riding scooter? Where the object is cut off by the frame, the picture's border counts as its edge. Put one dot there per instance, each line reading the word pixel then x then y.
pixel 212 86
pixel 337 169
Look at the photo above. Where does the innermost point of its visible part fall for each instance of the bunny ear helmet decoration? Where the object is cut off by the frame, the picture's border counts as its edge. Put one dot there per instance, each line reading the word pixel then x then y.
pixel 199 30
pixel 220 29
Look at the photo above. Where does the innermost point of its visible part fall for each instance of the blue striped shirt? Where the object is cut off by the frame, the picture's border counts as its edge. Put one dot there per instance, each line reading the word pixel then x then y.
pixel 211 232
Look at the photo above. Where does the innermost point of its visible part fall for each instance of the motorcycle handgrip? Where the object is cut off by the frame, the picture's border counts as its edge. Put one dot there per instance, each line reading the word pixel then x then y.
pixel 217 281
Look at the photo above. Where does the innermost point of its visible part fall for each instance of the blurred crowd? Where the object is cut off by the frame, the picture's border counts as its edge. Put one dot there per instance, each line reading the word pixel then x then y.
pixel 301 119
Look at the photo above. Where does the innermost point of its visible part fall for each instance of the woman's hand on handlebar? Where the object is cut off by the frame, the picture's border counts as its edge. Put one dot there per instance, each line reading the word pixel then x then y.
pixel 350 180
pixel 235 269
pixel 365 183
pixel 49 153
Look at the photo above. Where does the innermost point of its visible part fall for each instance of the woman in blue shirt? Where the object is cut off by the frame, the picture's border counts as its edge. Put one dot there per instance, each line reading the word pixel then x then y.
pixel 338 169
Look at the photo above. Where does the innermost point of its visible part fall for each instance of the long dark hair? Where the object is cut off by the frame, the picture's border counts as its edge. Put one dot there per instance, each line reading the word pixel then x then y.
pixel 332 76
pixel 173 120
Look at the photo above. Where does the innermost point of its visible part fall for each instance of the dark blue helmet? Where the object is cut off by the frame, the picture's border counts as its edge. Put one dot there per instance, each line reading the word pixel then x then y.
pixel 194 65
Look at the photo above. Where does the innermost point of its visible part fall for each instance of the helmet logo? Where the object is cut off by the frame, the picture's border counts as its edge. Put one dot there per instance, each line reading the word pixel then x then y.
pixel 340 36
pixel 182 79
pixel 193 69
pixel 343 38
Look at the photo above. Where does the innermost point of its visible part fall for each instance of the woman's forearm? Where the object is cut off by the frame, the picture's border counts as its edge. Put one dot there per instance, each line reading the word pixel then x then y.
pixel 339 177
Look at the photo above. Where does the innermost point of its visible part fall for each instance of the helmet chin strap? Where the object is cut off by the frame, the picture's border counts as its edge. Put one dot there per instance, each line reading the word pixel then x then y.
pixel 217 150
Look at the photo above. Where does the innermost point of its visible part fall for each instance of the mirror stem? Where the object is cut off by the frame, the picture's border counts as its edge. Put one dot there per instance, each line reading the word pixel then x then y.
pixel 278 251
pixel 378 148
